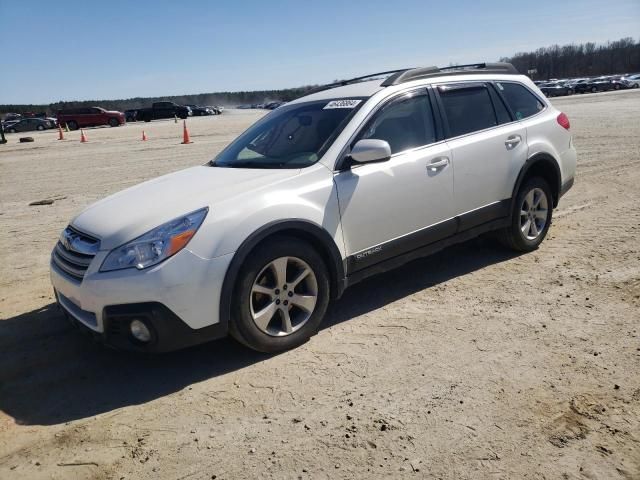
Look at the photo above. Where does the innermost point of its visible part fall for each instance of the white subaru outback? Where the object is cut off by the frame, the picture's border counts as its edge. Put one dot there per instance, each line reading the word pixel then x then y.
pixel 319 194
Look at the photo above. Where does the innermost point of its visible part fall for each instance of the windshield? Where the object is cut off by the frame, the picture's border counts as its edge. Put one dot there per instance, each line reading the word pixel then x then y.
pixel 292 136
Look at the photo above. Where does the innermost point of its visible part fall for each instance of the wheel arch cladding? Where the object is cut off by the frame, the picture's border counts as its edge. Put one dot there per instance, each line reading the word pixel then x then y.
pixel 541 165
pixel 309 232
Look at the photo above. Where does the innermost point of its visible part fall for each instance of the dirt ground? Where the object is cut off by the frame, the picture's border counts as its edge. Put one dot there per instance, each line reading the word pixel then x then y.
pixel 474 363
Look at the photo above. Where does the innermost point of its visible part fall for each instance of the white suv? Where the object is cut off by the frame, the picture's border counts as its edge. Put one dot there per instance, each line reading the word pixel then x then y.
pixel 322 192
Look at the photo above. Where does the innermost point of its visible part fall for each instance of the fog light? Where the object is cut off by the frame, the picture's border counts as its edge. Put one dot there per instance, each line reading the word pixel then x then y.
pixel 140 331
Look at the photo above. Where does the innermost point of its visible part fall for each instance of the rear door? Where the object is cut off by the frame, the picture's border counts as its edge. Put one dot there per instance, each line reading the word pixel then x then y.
pixel 392 207
pixel 488 148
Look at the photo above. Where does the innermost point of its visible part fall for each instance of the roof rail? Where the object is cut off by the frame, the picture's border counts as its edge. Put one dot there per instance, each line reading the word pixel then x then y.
pixel 353 80
pixel 427 72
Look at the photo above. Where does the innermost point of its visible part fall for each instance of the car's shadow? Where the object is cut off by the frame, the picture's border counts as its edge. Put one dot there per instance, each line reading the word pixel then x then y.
pixel 50 373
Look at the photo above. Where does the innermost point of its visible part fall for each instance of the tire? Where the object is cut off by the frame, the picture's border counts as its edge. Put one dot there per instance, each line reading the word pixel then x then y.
pixel 40 128
pixel 258 290
pixel 73 125
pixel 113 122
pixel 616 87
pixel 569 92
pixel 12 130
pixel 515 236
pixel 594 89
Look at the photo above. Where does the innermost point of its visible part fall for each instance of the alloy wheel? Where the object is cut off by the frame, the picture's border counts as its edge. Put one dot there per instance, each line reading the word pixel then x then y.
pixel 283 296
pixel 533 213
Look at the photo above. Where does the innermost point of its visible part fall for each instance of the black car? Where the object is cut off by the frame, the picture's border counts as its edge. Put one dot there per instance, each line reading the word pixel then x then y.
pixel 163 110
pixel 556 89
pixel 29 125
pixel 601 84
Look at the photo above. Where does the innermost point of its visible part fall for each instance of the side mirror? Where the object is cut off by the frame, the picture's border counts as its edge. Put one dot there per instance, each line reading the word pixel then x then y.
pixel 370 151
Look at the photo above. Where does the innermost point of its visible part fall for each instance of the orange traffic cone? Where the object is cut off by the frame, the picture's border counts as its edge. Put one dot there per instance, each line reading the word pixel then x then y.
pixel 60 134
pixel 185 134
pixel 144 136
pixel 83 137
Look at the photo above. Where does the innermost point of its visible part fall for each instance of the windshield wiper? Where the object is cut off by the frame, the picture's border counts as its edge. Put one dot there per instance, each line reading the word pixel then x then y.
pixel 248 164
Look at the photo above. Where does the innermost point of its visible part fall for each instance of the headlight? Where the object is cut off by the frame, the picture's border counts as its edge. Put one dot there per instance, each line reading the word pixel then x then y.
pixel 156 245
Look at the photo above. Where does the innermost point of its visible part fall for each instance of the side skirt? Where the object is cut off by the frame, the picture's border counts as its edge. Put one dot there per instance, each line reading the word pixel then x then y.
pixel 397 252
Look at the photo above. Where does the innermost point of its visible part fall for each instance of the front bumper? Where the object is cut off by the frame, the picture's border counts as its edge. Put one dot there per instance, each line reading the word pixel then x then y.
pixel 168 331
pixel 179 299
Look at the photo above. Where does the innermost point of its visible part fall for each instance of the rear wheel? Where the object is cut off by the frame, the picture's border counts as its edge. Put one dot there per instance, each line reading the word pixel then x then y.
pixel 40 127
pixel 281 296
pixel 114 122
pixel 531 216
pixel 73 125
pixel 594 89
pixel 11 130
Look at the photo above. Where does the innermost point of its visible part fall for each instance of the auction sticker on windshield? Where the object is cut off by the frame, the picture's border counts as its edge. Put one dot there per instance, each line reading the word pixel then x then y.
pixel 342 104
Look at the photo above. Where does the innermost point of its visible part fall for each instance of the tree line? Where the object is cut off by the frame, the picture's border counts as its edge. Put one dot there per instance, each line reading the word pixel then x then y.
pixel 573 60
pixel 579 60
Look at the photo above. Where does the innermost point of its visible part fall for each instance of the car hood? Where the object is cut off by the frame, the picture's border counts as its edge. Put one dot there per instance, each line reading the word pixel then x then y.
pixel 130 213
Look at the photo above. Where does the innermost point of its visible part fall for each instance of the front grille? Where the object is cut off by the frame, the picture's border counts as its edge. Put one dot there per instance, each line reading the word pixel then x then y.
pixel 74 252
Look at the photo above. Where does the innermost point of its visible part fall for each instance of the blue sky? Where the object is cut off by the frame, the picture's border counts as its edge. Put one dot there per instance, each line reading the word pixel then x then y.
pixel 70 50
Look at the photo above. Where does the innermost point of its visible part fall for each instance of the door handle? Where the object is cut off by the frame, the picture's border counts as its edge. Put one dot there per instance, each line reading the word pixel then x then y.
pixel 438 163
pixel 512 141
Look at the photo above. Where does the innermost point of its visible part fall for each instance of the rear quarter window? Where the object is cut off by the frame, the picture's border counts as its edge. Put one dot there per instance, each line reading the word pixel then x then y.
pixel 522 102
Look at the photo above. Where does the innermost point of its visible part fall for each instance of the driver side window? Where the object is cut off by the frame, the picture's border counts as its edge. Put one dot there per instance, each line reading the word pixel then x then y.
pixel 405 123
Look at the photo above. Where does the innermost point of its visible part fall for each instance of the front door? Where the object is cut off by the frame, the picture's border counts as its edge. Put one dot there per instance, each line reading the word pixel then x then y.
pixel 392 207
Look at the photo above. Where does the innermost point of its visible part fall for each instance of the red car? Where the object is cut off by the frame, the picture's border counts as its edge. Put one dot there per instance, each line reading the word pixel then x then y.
pixel 89 117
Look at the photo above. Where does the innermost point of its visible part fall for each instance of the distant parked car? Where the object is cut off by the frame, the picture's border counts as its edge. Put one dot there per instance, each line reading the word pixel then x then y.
pixel 199 111
pixel 273 105
pixel 556 89
pixel 632 80
pixel 601 84
pixel 163 110
pixel 131 115
pixel 76 118
pixel 28 125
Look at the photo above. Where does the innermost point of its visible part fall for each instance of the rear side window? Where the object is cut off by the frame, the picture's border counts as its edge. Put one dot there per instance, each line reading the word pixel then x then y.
pixel 405 124
pixel 522 102
pixel 468 109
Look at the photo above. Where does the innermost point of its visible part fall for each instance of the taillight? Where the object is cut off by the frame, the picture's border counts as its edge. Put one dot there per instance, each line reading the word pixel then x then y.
pixel 563 121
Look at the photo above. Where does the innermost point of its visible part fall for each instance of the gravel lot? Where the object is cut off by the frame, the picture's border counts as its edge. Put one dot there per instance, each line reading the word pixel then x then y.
pixel 474 363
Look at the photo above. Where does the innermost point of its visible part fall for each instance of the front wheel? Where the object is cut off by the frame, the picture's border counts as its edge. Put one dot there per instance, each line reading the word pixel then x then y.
pixel 281 296
pixel 40 127
pixel 114 122
pixel 531 216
